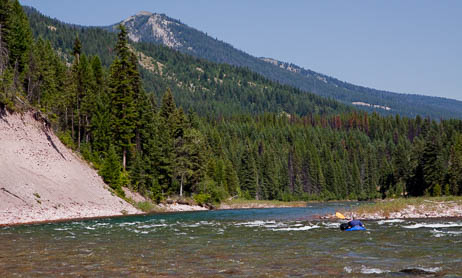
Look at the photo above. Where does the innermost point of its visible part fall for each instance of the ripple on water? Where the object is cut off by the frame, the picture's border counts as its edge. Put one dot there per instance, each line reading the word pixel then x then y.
pixel 371 270
pixel 331 225
pixel 303 228
pixel 381 222
pixel 432 225
pixel 279 226
pixel 430 269
pixel 62 229
pixel 256 223
pixel 151 226
pixel 441 233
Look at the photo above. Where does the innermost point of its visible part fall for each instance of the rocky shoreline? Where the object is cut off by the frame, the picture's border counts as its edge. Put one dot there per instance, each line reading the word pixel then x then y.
pixel 430 209
pixel 423 209
pixel 253 205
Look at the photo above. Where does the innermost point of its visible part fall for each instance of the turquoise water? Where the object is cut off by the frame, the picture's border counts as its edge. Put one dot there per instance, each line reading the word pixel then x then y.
pixel 284 242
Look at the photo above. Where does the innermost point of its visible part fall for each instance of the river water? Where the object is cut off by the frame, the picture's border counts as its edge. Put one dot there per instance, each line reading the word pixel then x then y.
pixel 282 242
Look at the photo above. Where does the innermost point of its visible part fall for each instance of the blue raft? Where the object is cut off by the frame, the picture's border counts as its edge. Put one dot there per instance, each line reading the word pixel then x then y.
pixel 344 227
pixel 356 228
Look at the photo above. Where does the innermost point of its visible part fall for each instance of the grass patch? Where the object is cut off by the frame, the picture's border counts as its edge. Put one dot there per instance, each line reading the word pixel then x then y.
pixel 425 204
pixel 145 206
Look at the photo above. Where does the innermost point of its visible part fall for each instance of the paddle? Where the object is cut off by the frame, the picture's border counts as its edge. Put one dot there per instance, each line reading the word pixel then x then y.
pixel 339 215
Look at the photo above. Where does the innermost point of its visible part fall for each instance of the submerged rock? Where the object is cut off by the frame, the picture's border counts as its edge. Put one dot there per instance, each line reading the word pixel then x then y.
pixel 416 271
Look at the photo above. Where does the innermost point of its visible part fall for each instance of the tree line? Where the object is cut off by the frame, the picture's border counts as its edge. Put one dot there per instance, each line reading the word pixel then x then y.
pixel 156 148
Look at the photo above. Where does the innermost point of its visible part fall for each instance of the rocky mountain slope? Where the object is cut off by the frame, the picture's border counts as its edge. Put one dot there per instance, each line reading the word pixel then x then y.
pixel 161 29
pixel 41 179
pixel 207 88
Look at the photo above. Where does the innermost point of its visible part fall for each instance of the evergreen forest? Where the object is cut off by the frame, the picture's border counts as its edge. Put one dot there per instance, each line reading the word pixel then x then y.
pixel 199 44
pixel 164 123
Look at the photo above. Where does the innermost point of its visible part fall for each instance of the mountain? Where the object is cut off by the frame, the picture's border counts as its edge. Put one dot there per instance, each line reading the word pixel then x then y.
pixel 161 29
pixel 198 85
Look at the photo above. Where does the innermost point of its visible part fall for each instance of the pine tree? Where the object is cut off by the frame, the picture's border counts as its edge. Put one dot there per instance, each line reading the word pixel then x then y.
pixel 232 180
pixel 138 175
pixel 189 160
pixel 18 37
pixel 124 114
pixel 110 172
pixel 268 179
pixel 100 125
pixel 123 105
pixel 248 175
pixel 77 50
pixel 166 155
pixel 455 167
pixel 431 163
pixel 316 172
pixel 5 12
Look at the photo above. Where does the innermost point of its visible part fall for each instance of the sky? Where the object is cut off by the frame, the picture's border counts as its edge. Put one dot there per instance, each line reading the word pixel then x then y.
pixel 412 46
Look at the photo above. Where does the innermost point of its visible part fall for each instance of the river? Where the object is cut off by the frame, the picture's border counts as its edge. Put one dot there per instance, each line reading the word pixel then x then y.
pixel 278 242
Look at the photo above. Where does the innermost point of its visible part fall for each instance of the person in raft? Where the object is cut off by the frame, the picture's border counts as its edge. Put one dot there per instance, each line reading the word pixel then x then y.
pixel 354 222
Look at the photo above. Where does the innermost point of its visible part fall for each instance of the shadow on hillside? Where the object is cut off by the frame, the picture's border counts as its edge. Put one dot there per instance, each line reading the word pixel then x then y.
pixel 53 144
pixel 3 113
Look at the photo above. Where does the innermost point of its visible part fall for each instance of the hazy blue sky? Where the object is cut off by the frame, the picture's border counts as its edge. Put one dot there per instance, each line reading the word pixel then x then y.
pixel 412 46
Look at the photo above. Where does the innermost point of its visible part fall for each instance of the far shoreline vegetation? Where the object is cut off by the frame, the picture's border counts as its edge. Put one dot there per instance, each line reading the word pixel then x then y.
pixel 286 145
pixel 414 207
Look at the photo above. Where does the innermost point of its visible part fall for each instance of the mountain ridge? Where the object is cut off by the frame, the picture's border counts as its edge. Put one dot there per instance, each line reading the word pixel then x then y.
pixel 198 85
pixel 161 29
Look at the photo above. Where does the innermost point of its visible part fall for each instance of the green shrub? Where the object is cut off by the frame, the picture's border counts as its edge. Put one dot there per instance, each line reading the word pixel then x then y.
pixel 436 190
pixel 155 191
pixel 202 198
pixel 447 190
pixel 119 191
pixel 145 206
pixel 66 139
pixel 111 169
pixel 124 179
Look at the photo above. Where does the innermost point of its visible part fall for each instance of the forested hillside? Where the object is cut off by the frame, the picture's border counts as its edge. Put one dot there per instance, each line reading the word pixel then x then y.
pixel 197 85
pixel 348 156
pixel 161 29
pixel 409 105
pixel 254 140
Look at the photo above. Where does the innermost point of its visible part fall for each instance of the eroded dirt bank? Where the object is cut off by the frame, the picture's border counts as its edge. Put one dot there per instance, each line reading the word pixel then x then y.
pixel 41 179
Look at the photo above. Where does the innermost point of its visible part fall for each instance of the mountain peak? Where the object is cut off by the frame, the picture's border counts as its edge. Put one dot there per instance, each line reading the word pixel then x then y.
pixel 157 26
pixel 161 29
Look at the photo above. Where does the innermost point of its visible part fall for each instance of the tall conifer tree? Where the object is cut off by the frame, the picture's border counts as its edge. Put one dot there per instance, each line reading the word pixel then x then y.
pixel 122 93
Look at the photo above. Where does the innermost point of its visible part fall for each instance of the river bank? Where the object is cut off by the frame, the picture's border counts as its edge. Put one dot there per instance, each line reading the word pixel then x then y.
pixel 42 180
pixel 247 204
pixel 402 208
pixel 177 204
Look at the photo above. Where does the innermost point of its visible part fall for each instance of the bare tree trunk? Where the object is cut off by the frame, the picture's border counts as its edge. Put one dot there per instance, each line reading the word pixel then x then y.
pixel 3 54
pixel 257 195
pixel 181 186
pixel 124 158
pixel 72 124
pixel 65 118
pixel 16 81
pixel 87 134
pixel 79 127
pixel 29 85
